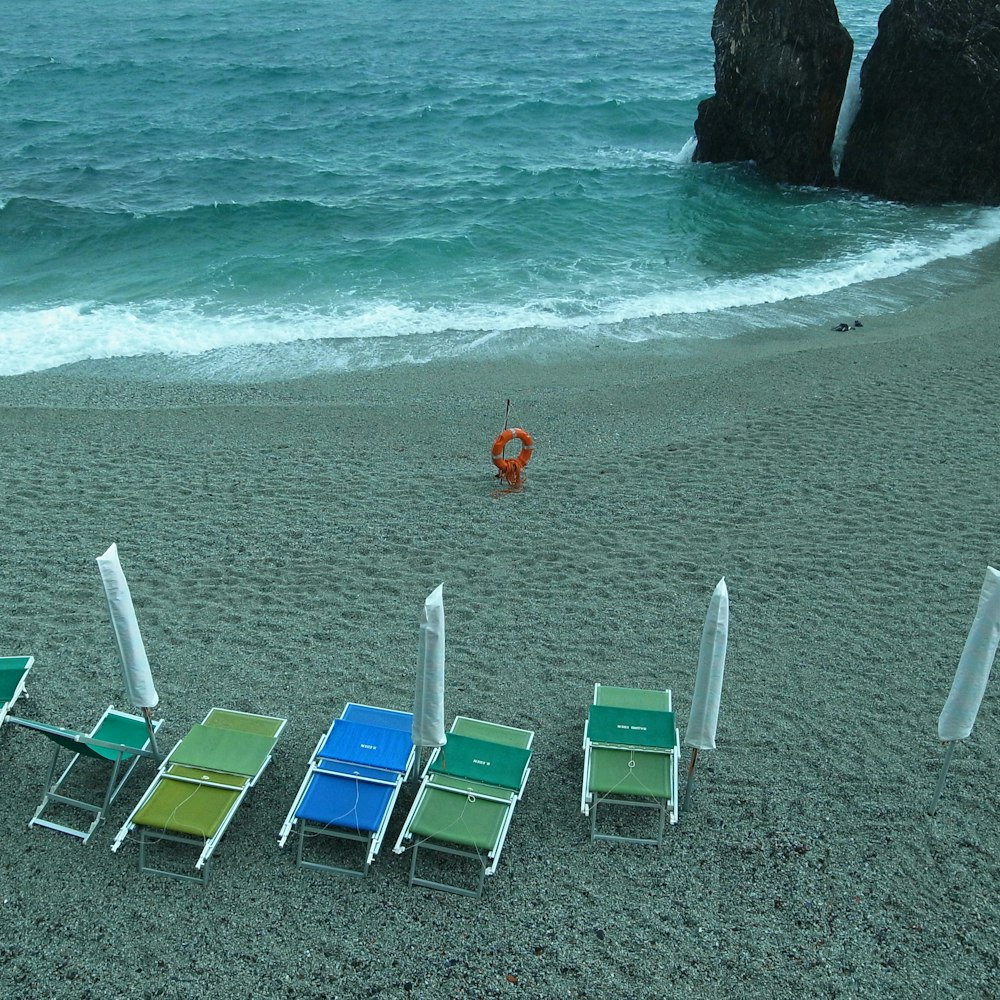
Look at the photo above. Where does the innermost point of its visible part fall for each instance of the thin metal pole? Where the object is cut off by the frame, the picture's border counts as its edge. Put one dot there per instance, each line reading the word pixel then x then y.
pixel 152 733
pixel 941 777
pixel 689 785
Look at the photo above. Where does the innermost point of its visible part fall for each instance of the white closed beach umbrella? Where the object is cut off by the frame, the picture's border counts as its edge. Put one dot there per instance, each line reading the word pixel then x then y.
pixel 428 702
pixel 704 716
pixel 135 663
pixel 969 684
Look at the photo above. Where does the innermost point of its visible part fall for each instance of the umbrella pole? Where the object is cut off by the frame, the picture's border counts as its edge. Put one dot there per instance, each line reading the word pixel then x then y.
pixel 942 776
pixel 690 778
pixel 147 713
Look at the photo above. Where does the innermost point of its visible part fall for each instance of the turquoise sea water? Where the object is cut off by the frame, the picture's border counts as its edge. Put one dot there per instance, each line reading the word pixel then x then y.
pixel 270 187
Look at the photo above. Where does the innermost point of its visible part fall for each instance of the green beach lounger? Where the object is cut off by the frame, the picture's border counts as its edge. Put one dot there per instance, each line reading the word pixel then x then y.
pixel 631 748
pixel 14 672
pixel 201 785
pixel 102 759
pixel 466 799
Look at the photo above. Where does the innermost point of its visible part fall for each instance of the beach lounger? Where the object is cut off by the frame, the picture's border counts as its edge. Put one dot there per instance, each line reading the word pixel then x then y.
pixel 201 785
pixel 352 783
pixel 631 748
pixel 14 672
pixel 466 799
pixel 102 759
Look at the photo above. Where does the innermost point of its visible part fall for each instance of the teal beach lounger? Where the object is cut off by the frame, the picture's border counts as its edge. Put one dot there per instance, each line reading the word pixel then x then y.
pixel 631 749
pixel 102 759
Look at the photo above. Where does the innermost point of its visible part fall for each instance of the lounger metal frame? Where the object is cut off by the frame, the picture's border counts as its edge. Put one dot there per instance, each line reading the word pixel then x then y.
pixel 432 783
pixel 89 744
pixel 666 808
pixel 372 841
pixel 241 784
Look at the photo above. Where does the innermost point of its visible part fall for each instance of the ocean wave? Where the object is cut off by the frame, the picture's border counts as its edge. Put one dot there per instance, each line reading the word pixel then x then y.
pixel 383 331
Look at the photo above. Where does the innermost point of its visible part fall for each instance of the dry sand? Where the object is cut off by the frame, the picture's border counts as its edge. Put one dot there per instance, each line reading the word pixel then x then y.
pixel 279 540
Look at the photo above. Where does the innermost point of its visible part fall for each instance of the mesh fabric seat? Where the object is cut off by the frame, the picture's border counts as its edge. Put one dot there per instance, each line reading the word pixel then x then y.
pixel 352 783
pixel 467 798
pixel 201 785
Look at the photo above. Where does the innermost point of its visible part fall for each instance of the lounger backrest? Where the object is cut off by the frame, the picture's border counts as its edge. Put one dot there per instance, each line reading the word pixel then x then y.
pixel 12 671
pixel 633 727
pixel 126 730
pixel 491 763
pixel 369 745
pixel 236 751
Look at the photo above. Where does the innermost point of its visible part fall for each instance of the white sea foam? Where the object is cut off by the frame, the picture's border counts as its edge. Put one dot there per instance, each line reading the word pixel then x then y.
pixel 32 340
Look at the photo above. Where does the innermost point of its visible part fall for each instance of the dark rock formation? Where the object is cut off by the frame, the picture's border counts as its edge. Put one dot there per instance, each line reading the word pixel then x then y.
pixel 928 125
pixel 780 71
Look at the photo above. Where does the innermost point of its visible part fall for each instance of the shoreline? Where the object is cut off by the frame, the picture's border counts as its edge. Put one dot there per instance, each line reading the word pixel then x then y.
pixel 280 538
pixel 164 376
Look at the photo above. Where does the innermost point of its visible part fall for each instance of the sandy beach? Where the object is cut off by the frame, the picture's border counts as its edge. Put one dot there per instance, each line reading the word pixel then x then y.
pixel 279 540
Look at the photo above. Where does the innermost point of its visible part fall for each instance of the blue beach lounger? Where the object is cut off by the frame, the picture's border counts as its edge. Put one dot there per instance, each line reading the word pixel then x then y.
pixel 631 747
pixel 14 672
pixel 354 778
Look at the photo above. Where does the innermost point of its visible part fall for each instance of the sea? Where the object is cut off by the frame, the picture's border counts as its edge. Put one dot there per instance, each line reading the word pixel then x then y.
pixel 245 189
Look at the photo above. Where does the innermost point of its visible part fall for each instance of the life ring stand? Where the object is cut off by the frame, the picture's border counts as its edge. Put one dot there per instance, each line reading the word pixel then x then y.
pixel 511 469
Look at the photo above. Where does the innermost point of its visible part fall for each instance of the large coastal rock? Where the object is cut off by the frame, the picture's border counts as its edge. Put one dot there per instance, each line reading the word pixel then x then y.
pixel 780 71
pixel 928 125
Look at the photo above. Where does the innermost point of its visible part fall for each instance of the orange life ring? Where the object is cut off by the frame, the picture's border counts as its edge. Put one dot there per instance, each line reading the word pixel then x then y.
pixel 511 468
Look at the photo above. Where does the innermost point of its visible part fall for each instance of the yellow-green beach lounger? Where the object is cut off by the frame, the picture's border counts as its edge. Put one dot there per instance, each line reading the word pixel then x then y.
pixel 631 748
pixel 201 785
pixel 466 799
pixel 102 759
